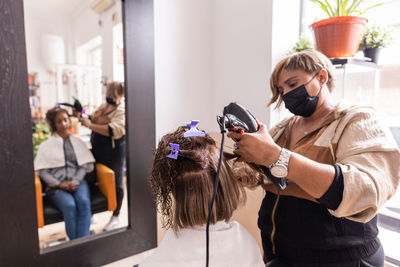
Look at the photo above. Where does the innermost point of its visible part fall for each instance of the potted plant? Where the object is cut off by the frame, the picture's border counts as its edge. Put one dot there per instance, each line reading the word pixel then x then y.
pixel 373 40
pixel 41 133
pixel 302 44
pixel 339 35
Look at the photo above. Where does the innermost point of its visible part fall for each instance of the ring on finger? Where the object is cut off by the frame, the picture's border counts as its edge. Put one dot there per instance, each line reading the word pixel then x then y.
pixel 235 145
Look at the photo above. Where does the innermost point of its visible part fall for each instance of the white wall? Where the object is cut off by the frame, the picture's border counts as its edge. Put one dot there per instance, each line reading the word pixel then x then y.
pixel 183 63
pixel 41 54
pixel 241 55
pixel 86 26
pixel 207 54
pixel 75 29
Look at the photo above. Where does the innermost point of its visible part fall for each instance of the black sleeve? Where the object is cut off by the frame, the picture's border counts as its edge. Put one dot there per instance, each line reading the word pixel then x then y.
pixel 110 131
pixel 334 195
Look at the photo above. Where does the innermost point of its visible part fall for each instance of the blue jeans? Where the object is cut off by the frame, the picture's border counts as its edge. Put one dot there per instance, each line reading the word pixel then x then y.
pixel 75 206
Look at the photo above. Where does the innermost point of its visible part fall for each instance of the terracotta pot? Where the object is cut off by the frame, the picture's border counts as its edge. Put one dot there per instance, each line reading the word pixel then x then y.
pixel 339 36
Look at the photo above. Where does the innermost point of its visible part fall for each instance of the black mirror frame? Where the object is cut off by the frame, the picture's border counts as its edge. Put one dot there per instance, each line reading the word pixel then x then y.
pixel 19 245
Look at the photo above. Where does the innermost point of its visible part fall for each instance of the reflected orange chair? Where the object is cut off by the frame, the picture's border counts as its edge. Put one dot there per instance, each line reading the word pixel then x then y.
pixel 102 197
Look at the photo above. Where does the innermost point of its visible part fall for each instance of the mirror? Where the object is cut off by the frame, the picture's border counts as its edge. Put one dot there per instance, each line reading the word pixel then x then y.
pixel 20 226
pixel 75 52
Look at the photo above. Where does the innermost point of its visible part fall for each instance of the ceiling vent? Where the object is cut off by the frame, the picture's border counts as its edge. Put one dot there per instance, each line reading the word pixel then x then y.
pixel 99 6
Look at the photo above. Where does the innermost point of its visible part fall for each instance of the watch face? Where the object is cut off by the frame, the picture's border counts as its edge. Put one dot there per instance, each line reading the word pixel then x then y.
pixel 279 171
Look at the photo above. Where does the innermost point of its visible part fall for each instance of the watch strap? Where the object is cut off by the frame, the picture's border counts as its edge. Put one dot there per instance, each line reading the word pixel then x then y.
pixel 284 157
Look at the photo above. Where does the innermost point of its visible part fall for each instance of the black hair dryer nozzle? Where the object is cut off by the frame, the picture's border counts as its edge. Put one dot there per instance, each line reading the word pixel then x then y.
pixel 238 119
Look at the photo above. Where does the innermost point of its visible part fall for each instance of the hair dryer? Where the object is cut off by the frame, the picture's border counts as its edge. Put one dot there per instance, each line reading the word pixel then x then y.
pixel 238 119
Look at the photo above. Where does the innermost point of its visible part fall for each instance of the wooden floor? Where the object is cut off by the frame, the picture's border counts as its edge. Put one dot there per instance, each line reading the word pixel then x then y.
pixel 54 234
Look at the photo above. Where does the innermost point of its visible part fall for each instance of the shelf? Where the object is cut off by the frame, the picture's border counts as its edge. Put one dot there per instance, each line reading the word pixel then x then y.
pixel 358 64
pixel 359 79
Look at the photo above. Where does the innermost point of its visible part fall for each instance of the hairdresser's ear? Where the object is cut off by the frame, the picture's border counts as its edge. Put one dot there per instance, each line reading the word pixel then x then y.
pixel 323 76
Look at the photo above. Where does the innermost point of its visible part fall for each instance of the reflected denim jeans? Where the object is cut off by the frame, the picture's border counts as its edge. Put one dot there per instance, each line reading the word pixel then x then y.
pixel 75 207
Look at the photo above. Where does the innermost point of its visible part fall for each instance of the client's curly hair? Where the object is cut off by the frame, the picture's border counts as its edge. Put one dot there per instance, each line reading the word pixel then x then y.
pixel 183 188
pixel 51 117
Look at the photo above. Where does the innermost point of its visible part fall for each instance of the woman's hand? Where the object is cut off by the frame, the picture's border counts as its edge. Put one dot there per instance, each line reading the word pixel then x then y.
pixel 258 147
pixel 68 186
pixel 85 122
pixel 72 186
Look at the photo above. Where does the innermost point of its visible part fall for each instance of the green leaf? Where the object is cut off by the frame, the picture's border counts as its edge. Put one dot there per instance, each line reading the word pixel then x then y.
pixel 353 9
pixel 343 10
pixel 343 7
pixel 322 6
pixel 372 7
pixel 330 8
pixel 339 8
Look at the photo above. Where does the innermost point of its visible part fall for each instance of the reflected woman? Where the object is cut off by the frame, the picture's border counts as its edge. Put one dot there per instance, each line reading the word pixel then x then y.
pixel 62 162
pixel 108 139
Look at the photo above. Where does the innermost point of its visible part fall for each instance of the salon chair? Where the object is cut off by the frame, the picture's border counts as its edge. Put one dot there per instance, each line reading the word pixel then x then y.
pixel 102 196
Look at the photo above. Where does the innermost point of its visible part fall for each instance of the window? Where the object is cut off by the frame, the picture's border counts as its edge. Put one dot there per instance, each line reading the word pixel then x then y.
pixel 118 53
pixel 83 80
pixel 385 100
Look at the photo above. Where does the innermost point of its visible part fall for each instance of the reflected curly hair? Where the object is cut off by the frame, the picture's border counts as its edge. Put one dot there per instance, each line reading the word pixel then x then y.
pixel 51 115
pixel 183 188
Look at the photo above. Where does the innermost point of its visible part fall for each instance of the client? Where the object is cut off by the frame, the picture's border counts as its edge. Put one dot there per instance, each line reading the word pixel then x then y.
pixel 183 189
pixel 62 162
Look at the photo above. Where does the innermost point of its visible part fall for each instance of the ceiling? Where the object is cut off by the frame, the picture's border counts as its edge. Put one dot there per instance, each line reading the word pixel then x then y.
pixel 39 8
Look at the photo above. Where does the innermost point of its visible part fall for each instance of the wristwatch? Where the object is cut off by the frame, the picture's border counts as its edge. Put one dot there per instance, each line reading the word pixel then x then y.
pixel 280 167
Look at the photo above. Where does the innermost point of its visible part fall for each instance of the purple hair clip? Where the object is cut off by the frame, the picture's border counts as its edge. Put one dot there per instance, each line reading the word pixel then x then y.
pixel 174 151
pixel 193 131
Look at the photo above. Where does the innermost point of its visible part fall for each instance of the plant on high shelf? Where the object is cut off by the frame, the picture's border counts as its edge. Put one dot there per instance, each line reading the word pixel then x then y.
pixel 339 35
pixel 302 44
pixel 41 133
pixel 373 40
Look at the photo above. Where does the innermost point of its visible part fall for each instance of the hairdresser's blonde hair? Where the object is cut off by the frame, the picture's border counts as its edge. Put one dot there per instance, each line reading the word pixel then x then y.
pixel 116 90
pixel 309 61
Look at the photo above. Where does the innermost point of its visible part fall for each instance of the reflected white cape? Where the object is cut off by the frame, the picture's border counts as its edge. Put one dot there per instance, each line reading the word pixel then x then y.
pixel 51 153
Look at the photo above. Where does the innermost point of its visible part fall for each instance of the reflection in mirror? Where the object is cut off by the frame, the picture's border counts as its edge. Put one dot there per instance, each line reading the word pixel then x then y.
pixel 76 85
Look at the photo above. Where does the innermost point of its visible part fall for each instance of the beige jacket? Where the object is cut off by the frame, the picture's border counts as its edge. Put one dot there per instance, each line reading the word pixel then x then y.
pixel 364 149
pixel 115 119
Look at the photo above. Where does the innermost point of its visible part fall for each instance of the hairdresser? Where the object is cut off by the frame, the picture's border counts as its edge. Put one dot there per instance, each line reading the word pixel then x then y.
pixel 342 165
pixel 108 139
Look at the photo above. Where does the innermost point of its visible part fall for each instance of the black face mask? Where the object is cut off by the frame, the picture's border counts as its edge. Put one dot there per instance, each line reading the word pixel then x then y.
pixel 111 101
pixel 299 102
